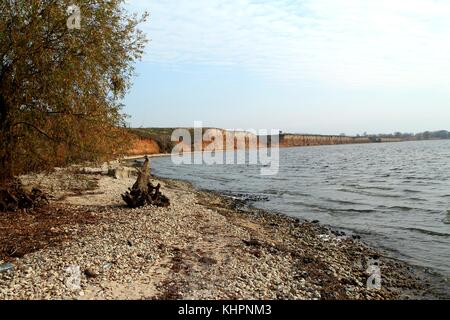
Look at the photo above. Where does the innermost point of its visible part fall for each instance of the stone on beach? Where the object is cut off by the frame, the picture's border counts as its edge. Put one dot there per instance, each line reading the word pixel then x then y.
pixel 200 247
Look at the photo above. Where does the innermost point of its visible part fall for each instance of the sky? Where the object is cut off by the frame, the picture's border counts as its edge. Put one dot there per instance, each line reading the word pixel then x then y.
pixel 303 66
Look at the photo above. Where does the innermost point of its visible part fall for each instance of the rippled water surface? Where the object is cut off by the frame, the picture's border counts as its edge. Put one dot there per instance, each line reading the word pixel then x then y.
pixel 397 195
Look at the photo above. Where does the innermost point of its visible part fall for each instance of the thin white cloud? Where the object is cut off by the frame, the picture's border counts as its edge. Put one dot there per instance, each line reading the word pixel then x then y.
pixel 357 42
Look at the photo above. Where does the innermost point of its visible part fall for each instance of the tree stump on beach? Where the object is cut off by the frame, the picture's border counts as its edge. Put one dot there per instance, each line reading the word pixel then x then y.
pixel 13 197
pixel 144 192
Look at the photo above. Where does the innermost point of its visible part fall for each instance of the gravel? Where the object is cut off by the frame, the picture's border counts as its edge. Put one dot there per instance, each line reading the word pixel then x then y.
pixel 201 247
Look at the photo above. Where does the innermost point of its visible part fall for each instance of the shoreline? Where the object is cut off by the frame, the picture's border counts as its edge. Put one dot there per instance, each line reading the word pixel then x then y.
pixel 435 285
pixel 160 155
pixel 204 246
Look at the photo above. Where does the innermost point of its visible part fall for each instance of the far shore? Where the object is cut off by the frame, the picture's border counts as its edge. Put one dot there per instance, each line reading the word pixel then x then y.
pixel 204 246
pixel 154 155
pixel 159 155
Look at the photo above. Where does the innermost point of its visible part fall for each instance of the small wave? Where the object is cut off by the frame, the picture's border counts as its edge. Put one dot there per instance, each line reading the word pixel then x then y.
pixel 296 193
pixel 378 181
pixel 358 210
pixel 411 191
pixel 416 199
pixel 274 178
pixel 396 208
pixel 246 197
pixel 366 193
pixel 281 193
pixel 429 232
pixel 273 191
pixel 376 188
pixel 222 179
pixel 342 202
pixel 350 185
pixel 330 210
pixel 402 208
pixel 418 178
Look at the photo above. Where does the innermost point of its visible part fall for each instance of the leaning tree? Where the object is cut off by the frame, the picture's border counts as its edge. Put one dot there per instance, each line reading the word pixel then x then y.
pixel 61 86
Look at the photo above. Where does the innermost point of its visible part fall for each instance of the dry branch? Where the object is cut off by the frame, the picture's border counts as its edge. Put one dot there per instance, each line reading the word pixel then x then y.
pixel 13 197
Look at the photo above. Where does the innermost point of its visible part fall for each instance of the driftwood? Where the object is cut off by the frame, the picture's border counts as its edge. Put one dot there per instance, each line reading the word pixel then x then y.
pixel 144 192
pixel 13 197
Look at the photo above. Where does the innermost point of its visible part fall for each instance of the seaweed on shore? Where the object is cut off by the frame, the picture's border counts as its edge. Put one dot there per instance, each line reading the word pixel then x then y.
pixel 24 232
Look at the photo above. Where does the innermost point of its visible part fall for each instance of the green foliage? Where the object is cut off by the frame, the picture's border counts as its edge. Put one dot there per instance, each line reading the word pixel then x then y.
pixel 60 89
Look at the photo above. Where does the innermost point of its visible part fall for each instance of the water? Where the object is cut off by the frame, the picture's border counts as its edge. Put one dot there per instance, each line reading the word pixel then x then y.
pixel 397 195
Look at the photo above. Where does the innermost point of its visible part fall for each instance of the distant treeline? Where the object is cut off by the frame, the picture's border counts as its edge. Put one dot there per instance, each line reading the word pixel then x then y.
pixel 427 135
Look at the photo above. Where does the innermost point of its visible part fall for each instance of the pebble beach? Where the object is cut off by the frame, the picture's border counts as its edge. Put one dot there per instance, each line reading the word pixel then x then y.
pixel 203 246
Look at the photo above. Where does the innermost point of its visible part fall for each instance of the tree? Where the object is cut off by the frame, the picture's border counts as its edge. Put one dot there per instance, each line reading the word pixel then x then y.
pixel 60 87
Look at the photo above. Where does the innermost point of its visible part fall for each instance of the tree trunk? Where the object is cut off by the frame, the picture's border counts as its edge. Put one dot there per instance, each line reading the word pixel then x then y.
pixel 144 192
pixel 6 144
pixel 143 176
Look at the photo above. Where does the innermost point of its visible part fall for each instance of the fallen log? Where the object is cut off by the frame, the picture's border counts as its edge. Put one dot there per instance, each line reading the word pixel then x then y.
pixel 143 192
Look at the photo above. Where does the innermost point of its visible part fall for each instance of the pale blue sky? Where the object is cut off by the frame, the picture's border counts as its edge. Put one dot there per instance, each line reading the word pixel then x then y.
pixel 315 66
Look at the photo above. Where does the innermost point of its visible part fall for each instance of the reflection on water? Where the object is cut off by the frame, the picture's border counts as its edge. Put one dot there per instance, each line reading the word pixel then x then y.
pixel 396 194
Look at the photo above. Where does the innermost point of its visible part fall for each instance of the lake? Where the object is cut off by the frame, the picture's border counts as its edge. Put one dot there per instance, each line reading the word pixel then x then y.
pixel 396 195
